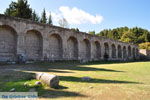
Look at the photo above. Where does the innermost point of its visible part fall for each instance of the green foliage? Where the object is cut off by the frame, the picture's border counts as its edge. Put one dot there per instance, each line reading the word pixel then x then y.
pixel 43 17
pixel 92 32
pixel 19 9
pixel 145 45
pixel 50 20
pixel 22 9
pixel 128 37
pixel 75 29
pixel 135 35
pixel 35 17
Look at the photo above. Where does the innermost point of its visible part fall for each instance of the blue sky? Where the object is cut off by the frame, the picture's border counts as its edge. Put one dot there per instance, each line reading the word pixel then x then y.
pixel 89 15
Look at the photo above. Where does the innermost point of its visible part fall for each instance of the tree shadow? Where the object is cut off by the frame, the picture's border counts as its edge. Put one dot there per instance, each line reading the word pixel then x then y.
pixel 58 94
pixel 61 87
pixel 108 62
pixel 44 93
pixel 57 71
pixel 59 67
pixel 78 79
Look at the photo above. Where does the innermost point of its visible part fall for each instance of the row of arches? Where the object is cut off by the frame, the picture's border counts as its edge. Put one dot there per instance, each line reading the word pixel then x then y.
pixel 34 47
pixel 120 52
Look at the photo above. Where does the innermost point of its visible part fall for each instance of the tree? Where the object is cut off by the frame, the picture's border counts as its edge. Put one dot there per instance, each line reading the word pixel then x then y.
pixel 35 17
pixel 63 23
pixel 135 35
pixel 50 19
pixel 145 45
pixel 115 34
pixel 92 32
pixel 129 37
pixel 43 17
pixel 20 9
pixel 75 29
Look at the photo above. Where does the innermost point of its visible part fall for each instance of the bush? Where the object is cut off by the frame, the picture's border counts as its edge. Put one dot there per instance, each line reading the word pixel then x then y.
pixel 145 45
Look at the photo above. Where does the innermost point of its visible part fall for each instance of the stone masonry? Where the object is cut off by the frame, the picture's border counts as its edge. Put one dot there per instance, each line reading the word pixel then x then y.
pixel 144 54
pixel 36 41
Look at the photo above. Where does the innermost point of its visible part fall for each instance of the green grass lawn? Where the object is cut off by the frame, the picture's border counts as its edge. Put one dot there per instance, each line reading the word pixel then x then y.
pixel 109 80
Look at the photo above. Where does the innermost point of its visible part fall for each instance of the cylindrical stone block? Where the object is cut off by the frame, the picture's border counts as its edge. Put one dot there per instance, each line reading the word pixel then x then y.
pixel 48 79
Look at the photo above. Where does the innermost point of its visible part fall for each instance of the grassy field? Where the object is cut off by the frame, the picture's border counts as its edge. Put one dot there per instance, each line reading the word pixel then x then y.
pixel 109 80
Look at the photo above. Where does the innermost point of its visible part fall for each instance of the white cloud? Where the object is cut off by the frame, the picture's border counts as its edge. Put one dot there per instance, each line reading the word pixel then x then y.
pixel 76 16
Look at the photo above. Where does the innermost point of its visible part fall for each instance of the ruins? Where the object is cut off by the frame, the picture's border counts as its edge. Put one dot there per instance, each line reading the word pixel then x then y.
pixel 38 42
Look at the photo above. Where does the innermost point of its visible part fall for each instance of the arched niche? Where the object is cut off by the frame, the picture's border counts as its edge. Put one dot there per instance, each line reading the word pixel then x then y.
pixel 55 47
pixel 97 50
pixel 34 44
pixel 106 50
pixel 119 52
pixel 8 43
pixel 113 51
pixel 129 51
pixel 124 52
pixel 72 48
pixel 86 49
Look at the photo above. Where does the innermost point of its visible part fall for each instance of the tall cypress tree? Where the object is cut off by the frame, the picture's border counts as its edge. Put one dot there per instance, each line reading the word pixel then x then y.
pixel 35 17
pixel 43 17
pixel 50 20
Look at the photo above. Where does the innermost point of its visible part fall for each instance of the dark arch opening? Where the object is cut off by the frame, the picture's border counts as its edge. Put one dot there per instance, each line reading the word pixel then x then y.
pixel 133 52
pixel 137 52
pixel 113 51
pixel 119 52
pixel 97 50
pixel 124 52
pixel 129 51
pixel 106 50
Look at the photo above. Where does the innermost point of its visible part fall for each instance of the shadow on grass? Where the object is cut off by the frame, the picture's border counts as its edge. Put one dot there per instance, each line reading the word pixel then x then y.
pixel 89 63
pixel 44 93
pixel 57 94
pixel 56 71
pixel 60 67
pixel 78 79
pixel 112 62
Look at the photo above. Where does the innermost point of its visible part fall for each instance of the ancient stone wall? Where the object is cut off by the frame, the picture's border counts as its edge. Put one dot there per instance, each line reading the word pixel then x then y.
pixel 38 41
pixel 144 54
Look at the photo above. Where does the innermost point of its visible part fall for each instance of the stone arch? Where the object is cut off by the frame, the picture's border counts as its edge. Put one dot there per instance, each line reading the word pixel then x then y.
pixel 55 47
pixel 86 49
pixel 8 43
pixel 97 50
pixel 119 52
pixel 72 48
pixel 124 52
pixel 34 44
pixel 106 50
pixel 133 52
pixel 129 51
pixel 113 51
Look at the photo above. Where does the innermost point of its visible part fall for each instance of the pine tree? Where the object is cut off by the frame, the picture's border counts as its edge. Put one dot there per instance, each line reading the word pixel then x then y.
pixel 20 9
pixel 50 20
pixel 35 17
pixel 92 32
pixel 43 17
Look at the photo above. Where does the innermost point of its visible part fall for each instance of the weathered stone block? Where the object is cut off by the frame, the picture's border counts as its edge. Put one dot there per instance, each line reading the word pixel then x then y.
pixel 48 79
